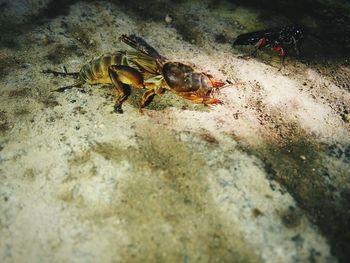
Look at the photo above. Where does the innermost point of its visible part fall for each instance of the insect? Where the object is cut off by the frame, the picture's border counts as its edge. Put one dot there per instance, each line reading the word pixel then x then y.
pixel 145 68
pixel 280 40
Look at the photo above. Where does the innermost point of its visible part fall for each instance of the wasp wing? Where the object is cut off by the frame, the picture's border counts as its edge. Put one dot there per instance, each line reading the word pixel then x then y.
pixel 252 38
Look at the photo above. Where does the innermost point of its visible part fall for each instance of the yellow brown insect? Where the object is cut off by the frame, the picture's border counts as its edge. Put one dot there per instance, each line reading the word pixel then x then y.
pixel 145 68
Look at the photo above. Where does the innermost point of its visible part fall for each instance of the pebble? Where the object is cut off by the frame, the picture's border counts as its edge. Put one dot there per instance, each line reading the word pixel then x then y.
pixel 168 19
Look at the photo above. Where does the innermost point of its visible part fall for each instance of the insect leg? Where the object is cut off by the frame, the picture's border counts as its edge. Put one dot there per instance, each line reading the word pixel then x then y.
pixel 296 44
pixel 120 75
pixel 159 90
pixel 120 94
pixel 195 98
pixel 153 89
pixel 145 98
pixel 282 60
pixel 260 44
pixel 281 53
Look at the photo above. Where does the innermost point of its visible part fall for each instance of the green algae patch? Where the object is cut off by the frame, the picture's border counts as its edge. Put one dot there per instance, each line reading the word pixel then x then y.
pixel 166 208
pixel 59 52
pixel 174 220
pixel 302 167
pixel 291 217
pixel 4 123
pixel 247 18
pixel 29 175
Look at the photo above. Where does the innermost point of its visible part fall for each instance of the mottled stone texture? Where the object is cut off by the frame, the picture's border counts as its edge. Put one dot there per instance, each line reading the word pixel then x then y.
pixel 264 177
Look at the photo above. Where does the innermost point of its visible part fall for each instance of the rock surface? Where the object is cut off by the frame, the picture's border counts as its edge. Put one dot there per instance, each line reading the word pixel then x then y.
pixel 264 177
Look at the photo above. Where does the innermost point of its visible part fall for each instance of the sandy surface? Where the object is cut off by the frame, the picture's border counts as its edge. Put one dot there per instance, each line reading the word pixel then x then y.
pixel 264 177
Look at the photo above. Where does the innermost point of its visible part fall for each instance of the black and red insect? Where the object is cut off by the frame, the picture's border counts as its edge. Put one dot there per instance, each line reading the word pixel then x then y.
pixel 281 40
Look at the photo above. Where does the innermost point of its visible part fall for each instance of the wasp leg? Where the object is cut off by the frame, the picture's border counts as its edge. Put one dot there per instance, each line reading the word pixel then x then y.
pixel 260 44
pixel 252 54
pixel 246 56
pixel 281 53
pixel 120 75
pixel 282 59
pixel 296 46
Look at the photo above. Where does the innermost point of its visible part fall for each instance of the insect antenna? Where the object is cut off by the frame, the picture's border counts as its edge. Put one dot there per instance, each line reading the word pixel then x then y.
pixel 60 73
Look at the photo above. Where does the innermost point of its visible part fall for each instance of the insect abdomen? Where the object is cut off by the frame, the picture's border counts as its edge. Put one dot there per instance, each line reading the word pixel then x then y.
pixel 96 71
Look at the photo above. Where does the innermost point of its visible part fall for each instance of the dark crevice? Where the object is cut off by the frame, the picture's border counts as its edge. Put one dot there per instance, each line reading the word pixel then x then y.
pixel 308 180
pixel 11 29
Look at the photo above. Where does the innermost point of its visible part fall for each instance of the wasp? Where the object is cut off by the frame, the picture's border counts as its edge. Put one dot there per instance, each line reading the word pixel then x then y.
pixel 280 40
pixel 145 68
